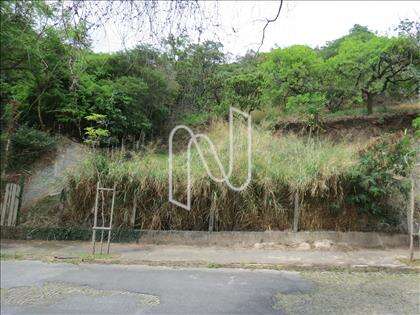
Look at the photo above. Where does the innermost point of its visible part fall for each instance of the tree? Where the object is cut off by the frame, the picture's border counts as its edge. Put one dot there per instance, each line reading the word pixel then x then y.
pixel 359 32
pixel 196 69
pixel 244 90
pixel 372 66
pixel 290 72
pixel 130 88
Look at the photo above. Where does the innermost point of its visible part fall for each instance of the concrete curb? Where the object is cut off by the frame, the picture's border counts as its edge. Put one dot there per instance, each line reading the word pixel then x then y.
pixel 256 266
pixel 224 238
pixel 235 265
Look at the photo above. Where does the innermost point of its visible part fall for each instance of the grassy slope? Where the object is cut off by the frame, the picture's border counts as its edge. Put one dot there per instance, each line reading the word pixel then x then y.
pixel 281 166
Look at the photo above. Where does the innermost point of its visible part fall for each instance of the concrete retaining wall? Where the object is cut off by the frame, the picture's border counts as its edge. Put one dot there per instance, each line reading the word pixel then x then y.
pixel 227 238
pixel 356 239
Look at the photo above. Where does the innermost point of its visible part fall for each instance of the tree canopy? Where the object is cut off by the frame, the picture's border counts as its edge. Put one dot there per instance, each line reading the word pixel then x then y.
pixel 52 80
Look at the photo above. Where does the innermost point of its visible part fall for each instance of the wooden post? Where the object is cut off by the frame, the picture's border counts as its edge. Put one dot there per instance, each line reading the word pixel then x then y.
pixel 133 215
pixel 212 214
pixel 22 186
pixel 13 205
pixel 211 220
pixel 122 145
pixel 411 218
pixel 110 219
pixel 5 204
pixel 95 219
pixel 296 213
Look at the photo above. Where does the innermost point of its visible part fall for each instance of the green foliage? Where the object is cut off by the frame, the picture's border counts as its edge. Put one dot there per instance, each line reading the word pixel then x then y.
pixel 352 185
pixel 29 143
pixel 196 69
pixel 310 105
pixel 380 175
pixel 352 70
pixel 290 72
pixel 134 95
pixel 244 91
pixel 357 32
pixel 416 126
pixel 195 118
pixel 48 70
pixel 372 67
pixel 94 135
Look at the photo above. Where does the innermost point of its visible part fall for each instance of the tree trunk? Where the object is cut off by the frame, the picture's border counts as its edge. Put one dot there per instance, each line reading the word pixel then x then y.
pixel 41 122
pixel 9 133
pixel 369 103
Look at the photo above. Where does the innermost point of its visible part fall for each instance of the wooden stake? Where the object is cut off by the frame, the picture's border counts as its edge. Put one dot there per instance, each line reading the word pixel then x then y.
pixel 133 215
pixel 296 213
pixel 411 218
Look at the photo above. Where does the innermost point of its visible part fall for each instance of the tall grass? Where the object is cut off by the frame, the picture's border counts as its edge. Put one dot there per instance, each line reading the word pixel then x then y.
pixel 281 166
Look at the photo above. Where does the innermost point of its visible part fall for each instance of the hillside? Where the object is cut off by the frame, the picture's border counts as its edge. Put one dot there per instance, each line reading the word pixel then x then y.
pixel 334 126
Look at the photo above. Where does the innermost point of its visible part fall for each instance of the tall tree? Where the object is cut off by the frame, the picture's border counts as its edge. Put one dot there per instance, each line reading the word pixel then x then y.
pixel 372 66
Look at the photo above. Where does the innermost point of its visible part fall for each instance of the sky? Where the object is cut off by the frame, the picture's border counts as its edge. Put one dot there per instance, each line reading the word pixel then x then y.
pixel 240 23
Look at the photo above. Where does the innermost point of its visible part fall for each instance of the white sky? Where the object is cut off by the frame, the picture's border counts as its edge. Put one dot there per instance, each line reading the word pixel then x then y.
pixel 300 22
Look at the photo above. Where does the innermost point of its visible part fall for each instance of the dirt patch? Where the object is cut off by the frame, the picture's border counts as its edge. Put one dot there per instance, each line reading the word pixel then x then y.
pixel 47 175
pixel 354 127
pixel 354 293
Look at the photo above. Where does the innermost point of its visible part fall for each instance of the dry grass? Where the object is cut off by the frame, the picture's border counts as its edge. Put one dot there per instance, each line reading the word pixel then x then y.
pixel 281 167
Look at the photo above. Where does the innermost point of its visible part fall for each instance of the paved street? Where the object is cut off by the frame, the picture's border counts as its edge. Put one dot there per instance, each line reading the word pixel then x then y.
pixel 200 256
pixel 101 289
pixel 33 287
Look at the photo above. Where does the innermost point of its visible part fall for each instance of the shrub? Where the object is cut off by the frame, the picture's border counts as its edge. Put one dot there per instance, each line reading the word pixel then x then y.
pixel 29 144
pixel 416 126
pixel 309 105
pixel 195 119
pixel 378 181
pixel 244 91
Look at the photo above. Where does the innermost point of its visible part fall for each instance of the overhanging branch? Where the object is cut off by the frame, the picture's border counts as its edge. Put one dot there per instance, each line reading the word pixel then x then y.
pixel 268 21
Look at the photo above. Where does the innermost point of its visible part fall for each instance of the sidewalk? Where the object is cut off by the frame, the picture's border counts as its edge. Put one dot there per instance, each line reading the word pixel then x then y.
pixel 251 257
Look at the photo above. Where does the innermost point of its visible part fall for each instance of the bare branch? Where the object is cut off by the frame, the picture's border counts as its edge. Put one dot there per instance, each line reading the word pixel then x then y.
pixel 268 21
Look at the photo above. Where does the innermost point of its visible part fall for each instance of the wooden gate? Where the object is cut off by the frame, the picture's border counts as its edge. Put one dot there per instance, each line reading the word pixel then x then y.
pixel 10 204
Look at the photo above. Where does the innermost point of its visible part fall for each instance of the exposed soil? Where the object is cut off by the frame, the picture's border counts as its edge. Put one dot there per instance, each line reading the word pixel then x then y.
pixel 354 127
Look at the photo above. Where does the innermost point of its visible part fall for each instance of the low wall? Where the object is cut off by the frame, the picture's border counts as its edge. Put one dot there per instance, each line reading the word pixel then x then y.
pixel 226 238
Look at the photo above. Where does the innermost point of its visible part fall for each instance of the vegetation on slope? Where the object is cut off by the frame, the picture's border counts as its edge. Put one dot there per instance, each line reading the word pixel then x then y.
pixel 342 186
pixel 52 80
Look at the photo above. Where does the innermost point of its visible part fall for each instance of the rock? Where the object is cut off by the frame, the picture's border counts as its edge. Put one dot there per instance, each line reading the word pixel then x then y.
pixel 265 245
pixel 303 246
pixel 259 245
pixel 323 244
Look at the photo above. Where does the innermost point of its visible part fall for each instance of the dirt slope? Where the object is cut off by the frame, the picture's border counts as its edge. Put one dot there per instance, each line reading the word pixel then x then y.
pixel 47 176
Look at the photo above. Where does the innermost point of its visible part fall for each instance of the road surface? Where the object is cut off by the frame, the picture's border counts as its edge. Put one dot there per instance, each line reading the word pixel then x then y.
pixel 33 287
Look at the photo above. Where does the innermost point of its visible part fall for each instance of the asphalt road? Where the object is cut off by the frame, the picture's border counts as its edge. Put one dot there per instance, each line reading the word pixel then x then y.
pixel 32 287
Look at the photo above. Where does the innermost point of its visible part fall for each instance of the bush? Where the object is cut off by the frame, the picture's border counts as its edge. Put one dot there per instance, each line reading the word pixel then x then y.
pixel 195 119
pixel 29 144
pixel 416 126
pixel 309 105
pixel 377 184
